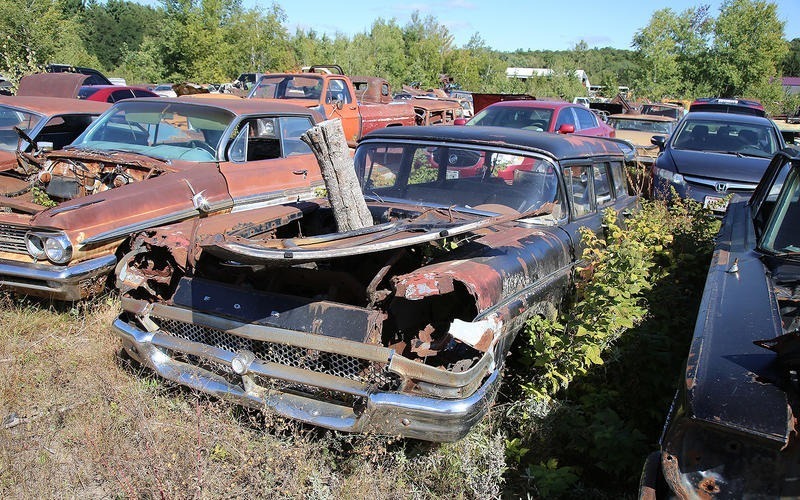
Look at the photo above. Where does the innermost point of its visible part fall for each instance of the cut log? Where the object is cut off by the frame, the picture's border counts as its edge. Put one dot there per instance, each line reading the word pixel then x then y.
pixel 329 145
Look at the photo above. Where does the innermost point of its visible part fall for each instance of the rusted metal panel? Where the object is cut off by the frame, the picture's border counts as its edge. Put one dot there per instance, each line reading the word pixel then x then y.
pixel 51 85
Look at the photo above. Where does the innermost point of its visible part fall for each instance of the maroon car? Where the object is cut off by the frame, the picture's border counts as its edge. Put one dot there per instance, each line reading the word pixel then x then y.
pixel 543 116
pixel 112 93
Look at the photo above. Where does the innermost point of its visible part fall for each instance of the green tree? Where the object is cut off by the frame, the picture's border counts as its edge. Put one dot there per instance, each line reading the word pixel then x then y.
pixel 748 46
pixel 656 44
pixel 27 29
pixel 427 44
pixel 791 63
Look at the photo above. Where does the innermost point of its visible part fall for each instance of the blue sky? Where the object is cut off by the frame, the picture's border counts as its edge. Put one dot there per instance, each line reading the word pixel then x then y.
pixel 508 25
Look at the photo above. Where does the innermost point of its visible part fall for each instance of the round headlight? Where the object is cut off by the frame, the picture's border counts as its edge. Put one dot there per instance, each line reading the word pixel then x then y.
pixel 35 245
pixel 57 248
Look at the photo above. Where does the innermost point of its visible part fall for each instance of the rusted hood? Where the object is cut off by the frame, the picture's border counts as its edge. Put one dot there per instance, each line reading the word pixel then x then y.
pixel 428 226
pixel 51 85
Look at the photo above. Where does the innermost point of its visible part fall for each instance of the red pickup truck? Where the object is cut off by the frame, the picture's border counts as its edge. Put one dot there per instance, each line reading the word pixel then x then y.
pixel 328 91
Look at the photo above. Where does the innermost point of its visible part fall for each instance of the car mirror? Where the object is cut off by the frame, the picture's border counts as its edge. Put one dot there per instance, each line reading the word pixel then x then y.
pixel 460 121
pixel 566 128
pixel 658 140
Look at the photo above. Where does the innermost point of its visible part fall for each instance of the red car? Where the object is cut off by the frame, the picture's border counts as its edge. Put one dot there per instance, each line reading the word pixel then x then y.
pixel 112 93
pixel 543 116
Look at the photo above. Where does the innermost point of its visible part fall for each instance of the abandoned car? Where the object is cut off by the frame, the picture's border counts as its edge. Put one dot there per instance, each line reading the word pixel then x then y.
pixel 144 163
pixel 52 121
pixel 401 327
pixel 732 430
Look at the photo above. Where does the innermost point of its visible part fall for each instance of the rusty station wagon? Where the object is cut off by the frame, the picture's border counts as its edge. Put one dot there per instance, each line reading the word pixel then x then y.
pixel 399 328
pixel 144 163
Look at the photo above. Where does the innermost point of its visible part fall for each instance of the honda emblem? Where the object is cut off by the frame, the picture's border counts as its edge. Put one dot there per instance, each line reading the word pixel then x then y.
pixel 721 187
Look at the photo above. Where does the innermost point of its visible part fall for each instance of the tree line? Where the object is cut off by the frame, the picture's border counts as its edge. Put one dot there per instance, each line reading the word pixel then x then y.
pixel 741 52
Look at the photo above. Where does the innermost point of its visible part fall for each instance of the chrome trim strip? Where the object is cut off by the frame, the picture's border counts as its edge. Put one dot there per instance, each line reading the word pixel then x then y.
pixel 745 186
pixel 158 221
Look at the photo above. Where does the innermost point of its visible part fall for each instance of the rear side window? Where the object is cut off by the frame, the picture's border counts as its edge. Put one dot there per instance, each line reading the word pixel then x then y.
pixel 119 95
pixel 579 189
pixel 602 185
pixel 586 118
pixel 620 179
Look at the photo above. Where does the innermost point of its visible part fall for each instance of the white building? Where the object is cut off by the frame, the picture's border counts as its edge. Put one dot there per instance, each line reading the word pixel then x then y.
pixel 525 73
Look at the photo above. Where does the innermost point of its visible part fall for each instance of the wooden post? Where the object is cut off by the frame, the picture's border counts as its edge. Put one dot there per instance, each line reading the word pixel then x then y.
pixel 329 145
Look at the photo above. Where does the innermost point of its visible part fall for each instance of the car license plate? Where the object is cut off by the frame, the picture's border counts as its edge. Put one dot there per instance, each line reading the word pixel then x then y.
pixel 715 203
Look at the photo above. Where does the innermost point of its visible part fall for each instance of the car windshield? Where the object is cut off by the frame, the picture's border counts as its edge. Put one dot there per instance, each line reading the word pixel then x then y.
pixel 751 139
pixel 163 87
pixel 10 118
pixel 288 87
pixel 782 232
pixel 655 109
pixel 514 117
pixel 171 131
pixel 493 180
pixel 655 127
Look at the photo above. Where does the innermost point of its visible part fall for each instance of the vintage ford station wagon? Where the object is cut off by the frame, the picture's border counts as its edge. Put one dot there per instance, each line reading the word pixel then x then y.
pixel 399 328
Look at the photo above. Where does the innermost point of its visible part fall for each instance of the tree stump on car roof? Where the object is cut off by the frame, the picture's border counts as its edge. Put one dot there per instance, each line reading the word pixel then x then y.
pixel 329 145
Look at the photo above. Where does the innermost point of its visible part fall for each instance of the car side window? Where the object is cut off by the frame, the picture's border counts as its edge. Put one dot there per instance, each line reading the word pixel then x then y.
pixel 261 142
pixel 620 179
pixel 119 95
pixel 338 91
pixel 142 93
pixel 586 119
pixel 565 117
pixel 292 127
pixel 602 185
pixel 579 189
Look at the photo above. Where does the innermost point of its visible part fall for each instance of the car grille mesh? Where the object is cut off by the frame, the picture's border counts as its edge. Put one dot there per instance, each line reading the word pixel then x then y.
pixel 338 365
pixel 12 238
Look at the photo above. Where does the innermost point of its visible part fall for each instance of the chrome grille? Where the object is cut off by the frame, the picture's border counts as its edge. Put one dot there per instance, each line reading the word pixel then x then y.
pixel 339 365
pixel 12 238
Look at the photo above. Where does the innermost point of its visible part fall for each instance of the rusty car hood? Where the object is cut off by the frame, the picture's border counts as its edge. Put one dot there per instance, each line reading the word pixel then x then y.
pixel 430 225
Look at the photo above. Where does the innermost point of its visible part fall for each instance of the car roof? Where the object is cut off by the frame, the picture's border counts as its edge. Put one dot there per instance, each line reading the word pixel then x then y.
pixel 735 106
pixel 112 87
pixel 236 106
pixel 637 116
pixel 557 146
pixel 528 103
pixel 727 117
pixel 54 105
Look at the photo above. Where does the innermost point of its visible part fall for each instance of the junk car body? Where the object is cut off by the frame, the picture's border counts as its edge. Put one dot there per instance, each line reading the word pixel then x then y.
pixel 399 328
pixel 52 121
pixel 731 431
pixel 146 162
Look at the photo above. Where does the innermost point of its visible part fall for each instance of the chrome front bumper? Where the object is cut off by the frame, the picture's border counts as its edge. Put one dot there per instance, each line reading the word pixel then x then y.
pixel 382 412
pixel 57 282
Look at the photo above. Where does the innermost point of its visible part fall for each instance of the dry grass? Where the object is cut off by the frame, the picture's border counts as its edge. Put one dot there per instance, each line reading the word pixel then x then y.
pixel 77 421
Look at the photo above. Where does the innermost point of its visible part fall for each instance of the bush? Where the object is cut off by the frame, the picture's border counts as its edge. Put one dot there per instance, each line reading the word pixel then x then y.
pixel 595 427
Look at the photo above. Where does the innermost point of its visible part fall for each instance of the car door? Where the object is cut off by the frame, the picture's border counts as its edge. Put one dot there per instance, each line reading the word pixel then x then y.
pixel 340 103
pixel 267 163
pixel 583 181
